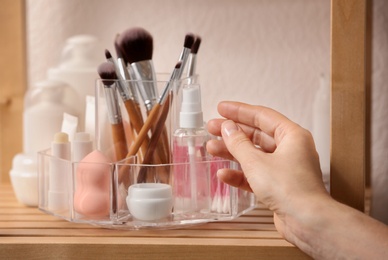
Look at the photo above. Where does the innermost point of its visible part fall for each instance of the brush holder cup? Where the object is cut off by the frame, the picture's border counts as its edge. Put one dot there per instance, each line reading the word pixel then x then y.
pixel 134 109
pixel 144 189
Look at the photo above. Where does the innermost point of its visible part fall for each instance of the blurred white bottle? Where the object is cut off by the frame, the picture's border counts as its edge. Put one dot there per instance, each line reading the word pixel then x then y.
pixel 78 68
pixel 44 106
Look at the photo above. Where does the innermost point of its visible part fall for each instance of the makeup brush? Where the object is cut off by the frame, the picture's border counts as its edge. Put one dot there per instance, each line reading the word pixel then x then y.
pixel 124 92
pixel 192 62
pixel 107 72
pixel 188 43
pixel 134 113
pixel 137 46
pixel 123 87
pixel 154 112
pixel 122 66
pixel 158 130
pixel 120 57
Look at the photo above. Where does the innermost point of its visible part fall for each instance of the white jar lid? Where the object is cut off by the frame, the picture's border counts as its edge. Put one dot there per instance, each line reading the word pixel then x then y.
pixel 24 164
pixel 150 191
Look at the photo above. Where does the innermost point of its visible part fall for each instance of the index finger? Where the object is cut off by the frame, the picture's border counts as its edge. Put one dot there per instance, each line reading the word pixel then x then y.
pixel 267 120
pixel 258 137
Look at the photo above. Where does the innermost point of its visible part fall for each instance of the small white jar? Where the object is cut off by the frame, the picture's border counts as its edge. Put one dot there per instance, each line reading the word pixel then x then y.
pixel 150 201
pixel 24 179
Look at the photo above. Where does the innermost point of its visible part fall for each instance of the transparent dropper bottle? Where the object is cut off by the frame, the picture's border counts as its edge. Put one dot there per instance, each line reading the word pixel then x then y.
pixel 189 146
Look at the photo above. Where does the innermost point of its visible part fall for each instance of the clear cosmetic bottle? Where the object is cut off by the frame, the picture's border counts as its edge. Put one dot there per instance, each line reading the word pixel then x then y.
pixel 189 145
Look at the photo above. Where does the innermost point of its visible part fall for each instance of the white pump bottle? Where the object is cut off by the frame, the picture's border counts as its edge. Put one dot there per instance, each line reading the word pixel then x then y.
pixel 77 68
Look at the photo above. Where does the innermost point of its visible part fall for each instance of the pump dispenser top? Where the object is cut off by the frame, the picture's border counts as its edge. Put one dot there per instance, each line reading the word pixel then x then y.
pixel 78 55
pixel 78 63
pixel 191 115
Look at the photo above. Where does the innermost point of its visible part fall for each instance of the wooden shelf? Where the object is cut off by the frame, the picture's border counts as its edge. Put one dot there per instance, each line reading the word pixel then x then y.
pixel 29 233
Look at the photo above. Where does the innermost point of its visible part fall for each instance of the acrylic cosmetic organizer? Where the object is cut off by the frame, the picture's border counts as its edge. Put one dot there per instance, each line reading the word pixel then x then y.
pixel 129 195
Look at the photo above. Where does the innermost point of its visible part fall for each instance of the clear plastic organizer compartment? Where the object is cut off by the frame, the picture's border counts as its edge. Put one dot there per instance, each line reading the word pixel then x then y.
pixel 145 190
pixel 127 195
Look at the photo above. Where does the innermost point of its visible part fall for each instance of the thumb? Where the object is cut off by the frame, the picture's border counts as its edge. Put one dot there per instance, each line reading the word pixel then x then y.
pixel 237 142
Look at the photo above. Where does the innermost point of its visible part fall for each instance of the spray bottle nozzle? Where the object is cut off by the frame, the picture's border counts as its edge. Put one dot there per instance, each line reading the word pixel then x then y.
pixel 191 115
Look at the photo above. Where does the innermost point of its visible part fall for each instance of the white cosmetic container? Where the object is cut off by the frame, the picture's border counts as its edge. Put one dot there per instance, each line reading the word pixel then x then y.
pixel 69 125
pixel 150 201
pixel 44 106
pixel 59 169
pixel 90 114
pixel 24 178
pixel 82 146
pixel 77 67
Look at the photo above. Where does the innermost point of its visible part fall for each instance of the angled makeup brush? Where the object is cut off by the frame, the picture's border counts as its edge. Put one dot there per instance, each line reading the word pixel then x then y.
pixel 188 43
pixel 108 74
pixel 192 62
pixel 158 130
pixel 137 46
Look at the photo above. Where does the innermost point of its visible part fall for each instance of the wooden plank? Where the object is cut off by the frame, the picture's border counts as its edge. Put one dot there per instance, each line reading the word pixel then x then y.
pixel 203 232
pixel 47 230
pixel 17 211
pixel 143 240
pixel 29 233
pixel 151 248
pixel 29 217
pixel 13 78
pixel 368 97
pixel 348 102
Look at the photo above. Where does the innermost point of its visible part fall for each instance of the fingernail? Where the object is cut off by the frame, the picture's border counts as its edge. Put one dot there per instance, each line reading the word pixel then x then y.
pixel 229 127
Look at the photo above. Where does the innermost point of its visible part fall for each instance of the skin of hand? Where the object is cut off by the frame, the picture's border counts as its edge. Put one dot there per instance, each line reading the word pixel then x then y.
pixel 281 166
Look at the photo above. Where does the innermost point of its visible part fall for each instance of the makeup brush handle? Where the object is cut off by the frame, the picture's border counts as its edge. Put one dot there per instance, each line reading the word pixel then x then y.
pixel 159 127
pixel 123 172
pixel 134 116
pixel 144 130
pixel 161 147
pixel 119 141
pixel 150 155
pixel 137 122
pixel 164 146
pixel 161 176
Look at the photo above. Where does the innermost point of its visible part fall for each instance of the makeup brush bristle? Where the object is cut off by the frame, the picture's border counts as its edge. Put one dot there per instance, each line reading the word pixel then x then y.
pixel 189 40
pixel 107 72
pixel 136 44
pixel 108 55
pixel 196 44
pixel 119 51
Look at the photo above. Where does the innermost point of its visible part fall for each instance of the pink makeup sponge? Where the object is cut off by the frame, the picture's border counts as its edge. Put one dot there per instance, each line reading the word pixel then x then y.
pixel 92 195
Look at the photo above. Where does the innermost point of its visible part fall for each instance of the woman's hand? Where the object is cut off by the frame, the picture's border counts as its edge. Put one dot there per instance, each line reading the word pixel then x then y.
pixel 278 157
pixel 281 166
